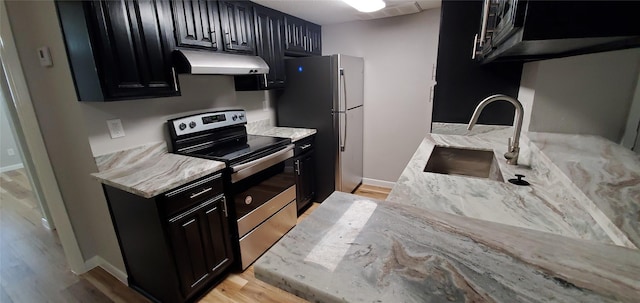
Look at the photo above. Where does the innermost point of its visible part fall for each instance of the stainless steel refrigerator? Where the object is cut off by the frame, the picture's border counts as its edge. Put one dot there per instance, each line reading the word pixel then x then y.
pixel 327 93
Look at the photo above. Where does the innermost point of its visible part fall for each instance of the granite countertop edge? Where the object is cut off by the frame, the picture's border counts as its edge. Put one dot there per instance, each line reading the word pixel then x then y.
pixel 150 175
pixel 294 133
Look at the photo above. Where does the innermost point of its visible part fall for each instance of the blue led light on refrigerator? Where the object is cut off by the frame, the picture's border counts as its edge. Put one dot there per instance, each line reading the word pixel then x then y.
pixel 299 69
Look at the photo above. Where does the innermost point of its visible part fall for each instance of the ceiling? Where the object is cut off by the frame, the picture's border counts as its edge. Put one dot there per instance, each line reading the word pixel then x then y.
pixel 325 12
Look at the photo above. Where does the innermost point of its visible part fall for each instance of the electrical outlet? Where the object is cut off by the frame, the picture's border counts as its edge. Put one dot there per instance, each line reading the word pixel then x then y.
pixel 11 152
pixel 115 128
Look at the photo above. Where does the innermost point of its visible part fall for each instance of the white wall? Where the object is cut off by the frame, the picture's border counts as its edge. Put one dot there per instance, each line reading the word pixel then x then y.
pixel 144 120
pixel 631 137
pixel 399 54
pixel 7 140
pixel 74 132
pixel 588 94
pixel 62 125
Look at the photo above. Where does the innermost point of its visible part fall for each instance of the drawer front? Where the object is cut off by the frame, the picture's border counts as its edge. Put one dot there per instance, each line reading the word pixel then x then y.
pixel 303 145
pixel 187 195
pixel 255 243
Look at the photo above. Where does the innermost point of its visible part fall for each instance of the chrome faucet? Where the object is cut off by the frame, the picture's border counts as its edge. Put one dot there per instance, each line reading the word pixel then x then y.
pixel 514 143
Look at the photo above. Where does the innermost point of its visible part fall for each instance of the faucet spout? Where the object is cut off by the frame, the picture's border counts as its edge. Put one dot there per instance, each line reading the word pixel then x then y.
pixel 514 143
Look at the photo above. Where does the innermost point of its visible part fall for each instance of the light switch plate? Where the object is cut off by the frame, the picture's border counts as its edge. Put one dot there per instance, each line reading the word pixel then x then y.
pixel 115 128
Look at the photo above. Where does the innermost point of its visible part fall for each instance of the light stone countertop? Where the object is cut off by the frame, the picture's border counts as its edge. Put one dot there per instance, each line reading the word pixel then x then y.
pixel 548 205
pixel 353 249
pixel 149 170
pixel 597 170
pixel 264 128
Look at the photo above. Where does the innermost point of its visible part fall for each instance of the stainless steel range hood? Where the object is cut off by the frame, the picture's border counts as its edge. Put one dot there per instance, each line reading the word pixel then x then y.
pixel 212 63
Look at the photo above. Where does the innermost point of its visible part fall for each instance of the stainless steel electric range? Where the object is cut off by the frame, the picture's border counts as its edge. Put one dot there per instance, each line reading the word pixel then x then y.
pixel 262 190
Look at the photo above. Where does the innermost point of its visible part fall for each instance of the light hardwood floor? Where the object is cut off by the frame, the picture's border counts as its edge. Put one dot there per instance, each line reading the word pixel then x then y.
pixel 33 267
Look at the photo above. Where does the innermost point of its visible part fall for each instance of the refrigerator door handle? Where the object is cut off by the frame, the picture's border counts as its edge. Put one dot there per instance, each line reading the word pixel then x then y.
pixel 343 128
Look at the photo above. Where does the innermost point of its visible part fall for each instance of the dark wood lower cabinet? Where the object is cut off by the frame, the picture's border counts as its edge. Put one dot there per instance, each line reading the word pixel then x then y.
pixel 175 247
pixel 304 167
pixel 198 242
pixel 305 178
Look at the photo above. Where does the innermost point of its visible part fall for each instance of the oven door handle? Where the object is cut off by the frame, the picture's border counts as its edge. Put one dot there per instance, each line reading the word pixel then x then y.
pixel 244 170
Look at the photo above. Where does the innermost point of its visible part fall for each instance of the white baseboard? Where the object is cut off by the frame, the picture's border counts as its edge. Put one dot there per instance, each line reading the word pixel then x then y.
pixel 108 267
pixel 11 167
pixel 379 183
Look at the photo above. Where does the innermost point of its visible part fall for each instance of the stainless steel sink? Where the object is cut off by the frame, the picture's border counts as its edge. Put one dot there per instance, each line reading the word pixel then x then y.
pixel 476 163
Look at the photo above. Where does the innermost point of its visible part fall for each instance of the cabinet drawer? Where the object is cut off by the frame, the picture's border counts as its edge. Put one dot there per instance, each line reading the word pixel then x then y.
pixel 185 196
pixel 303 145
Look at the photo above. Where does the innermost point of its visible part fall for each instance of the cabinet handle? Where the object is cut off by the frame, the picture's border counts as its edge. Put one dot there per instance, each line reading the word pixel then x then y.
pixel 224 207
pixel 183 189
pixel 195 209
pixel 298 167
pixel 475 44
pixel 175 78
pixel 190 221
pixel 303 147
pixel 265 80
pixel 208 189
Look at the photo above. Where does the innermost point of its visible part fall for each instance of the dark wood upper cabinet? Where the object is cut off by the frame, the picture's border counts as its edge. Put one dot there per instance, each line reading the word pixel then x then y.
pixel 119 50
pixel 269 33
pixel 295 33
pixel 525 30
pixel 197 23
pixel 269 27
pixel 314 39
pixel 237 26
pixel 302 38
pixel 463 82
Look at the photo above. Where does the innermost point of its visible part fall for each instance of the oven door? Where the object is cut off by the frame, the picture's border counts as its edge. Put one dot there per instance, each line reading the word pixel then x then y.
pixel 264 199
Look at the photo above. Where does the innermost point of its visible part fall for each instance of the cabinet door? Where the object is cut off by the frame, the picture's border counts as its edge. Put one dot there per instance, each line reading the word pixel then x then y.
pixel 314 39
pixel 190 247
pixel 237 26
pixel 201 244
pixel 133 51
pixel 197 23
pixel 221 255
pixel 269 29
pixel 295 33
pixel 305 177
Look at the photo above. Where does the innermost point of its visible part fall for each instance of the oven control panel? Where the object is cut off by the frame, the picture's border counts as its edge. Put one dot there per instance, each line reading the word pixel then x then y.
pixel 207 121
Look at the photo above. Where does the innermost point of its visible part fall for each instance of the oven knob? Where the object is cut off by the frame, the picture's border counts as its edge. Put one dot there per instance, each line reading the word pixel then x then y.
pixel 248 200
pixel 235 117
pixel 192 124
pixel 182 126
pixel 241 116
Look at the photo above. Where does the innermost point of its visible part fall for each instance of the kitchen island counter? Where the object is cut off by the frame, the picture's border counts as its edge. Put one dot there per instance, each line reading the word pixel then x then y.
pixel 553 203
pixel 355 249
pixel 150 170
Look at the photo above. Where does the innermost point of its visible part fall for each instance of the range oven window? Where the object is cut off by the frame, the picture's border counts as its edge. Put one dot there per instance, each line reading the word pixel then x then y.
pixel 251 192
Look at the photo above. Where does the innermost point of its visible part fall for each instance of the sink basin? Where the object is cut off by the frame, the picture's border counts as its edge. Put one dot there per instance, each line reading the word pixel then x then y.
pixel 476 163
